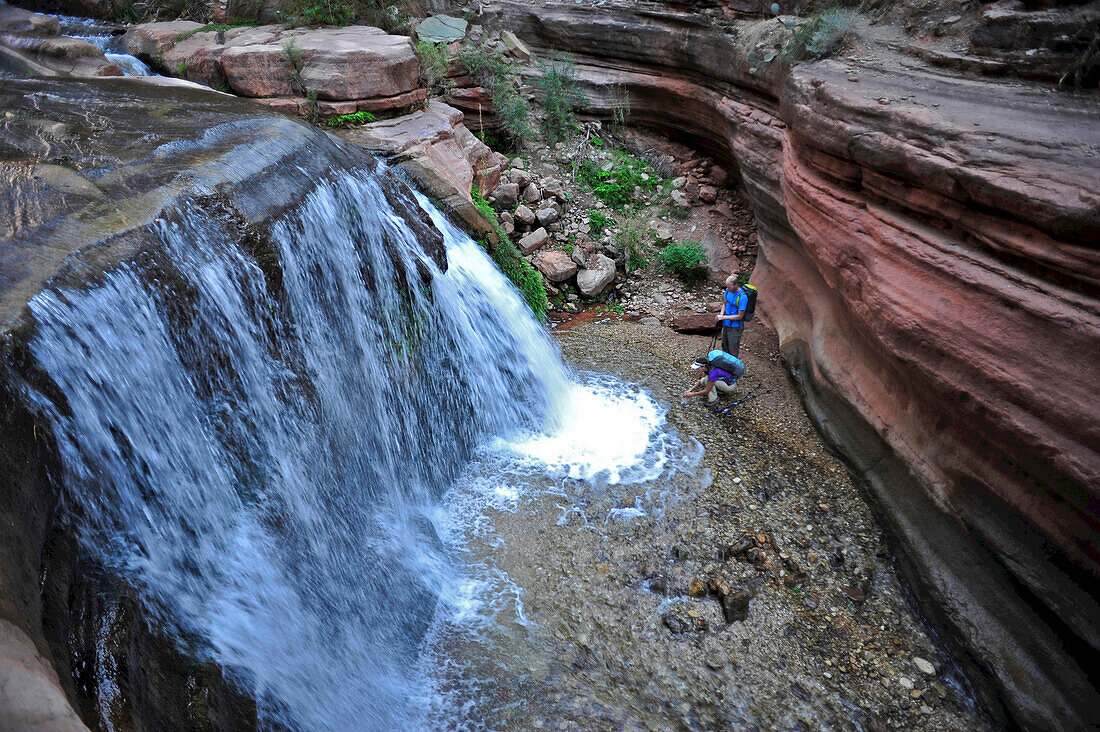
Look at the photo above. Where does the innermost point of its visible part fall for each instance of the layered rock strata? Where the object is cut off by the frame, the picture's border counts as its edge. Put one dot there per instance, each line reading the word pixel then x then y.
pixel 928 255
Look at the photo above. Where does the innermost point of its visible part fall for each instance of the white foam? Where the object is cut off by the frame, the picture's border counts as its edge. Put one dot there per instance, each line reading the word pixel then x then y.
pixel 603 429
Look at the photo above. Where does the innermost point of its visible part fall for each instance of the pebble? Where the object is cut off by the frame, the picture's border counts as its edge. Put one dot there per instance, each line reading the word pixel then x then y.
pixel 925 667
pixel 905 683
pixel 736 480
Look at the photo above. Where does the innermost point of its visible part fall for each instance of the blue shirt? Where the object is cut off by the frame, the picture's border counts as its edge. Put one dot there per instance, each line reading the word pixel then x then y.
pixel 735 302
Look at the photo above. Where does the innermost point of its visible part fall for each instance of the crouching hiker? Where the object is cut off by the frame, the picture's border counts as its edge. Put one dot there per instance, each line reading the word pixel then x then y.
pixel 723 371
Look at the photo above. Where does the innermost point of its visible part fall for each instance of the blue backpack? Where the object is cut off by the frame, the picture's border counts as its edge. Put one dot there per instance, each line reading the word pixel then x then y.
pixel 730 364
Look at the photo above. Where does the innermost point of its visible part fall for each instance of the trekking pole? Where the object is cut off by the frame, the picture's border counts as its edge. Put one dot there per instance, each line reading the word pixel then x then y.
pixel 726 409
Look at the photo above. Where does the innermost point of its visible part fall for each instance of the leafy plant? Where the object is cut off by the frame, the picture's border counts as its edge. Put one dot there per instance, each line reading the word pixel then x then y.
pixel 181 68
pixel 354 118
pixel 561 95
pixel 612 308
pixel 125 12
pixel 620 105
pixel 821 35
pixel 511 262
pixel 686 259
pixel 434 65
pixel 219 28
pixel 492 71
pixel 630 240
pixel 615 186
pixel 323 12
pixel 597 220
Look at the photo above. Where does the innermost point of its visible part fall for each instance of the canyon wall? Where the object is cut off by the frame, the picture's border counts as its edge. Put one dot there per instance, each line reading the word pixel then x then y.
pixel 928 256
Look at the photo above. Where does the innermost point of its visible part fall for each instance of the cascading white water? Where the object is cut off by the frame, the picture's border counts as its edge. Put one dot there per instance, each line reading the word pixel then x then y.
pixel 99 34
pixel 266 469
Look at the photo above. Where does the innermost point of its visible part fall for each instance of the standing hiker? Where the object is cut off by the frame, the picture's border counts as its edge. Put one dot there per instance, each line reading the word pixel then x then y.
pixel 732 317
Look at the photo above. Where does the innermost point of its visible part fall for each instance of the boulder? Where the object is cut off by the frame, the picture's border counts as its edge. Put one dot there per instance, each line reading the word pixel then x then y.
pixel 531 193
pixel 593 281
pixel 525 215
pixel 546 216
pixel 708 194
pixel 18 20
pixel 441 29
pixel 357 64
pixel 516 48
pixel 679 199
pixel 534 240
pixel 439 152
pixel 555 265
pixel 506 195
pixel 719 176
pixel 151 40
pixel 698 323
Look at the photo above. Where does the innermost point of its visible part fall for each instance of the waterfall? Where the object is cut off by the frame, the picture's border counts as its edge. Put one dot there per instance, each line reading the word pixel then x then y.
pixel 103 35
pixel 260 460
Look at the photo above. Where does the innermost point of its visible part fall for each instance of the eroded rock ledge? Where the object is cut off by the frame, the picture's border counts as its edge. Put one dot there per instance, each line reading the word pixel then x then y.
pixel 929 258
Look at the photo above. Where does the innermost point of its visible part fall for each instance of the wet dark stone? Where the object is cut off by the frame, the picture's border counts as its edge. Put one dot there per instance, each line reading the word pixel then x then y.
pixel 732 551
pixel 735 606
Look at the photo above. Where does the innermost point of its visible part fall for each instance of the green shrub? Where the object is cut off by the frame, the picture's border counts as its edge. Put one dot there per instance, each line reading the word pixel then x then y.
pixel 630 240
pixel 615 187
pixel 323 12
pixel 219 28
pixel 511 262
pixel 685 259
pixel 125 12
pixel 821 35
pixel 434 65
pixel 355 118
pixel 597 220
pixel 492 71
pixel 561 95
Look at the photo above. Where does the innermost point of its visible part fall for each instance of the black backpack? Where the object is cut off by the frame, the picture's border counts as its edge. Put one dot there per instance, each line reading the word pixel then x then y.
pixel 750 306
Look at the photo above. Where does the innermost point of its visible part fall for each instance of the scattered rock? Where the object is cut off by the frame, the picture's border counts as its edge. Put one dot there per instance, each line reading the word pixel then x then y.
pixel 516 47
pixel 531 193
pixel 506 195
pixel 708 194
pixel 441 29
pixel 525 215
pixel 735 606
pixel 555 265
pixel 593 281
pixel 534 240
pixel 924 666
pixel 546 216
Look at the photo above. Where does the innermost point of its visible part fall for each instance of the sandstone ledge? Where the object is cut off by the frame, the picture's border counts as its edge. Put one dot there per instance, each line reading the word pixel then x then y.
pixel 353 68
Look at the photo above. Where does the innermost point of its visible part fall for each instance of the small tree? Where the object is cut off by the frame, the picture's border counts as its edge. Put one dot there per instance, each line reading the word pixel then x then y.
pixel 561 95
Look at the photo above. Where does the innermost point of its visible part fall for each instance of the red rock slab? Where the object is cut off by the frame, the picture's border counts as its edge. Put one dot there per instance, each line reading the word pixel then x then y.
pixel 698 323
